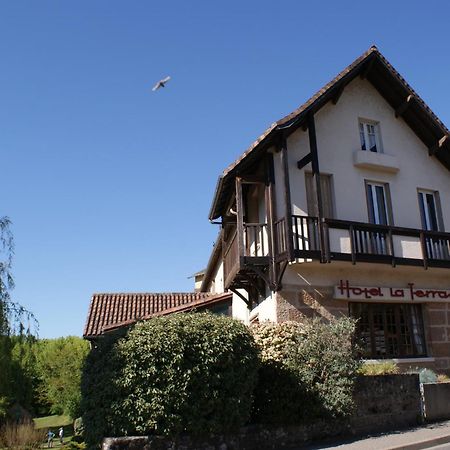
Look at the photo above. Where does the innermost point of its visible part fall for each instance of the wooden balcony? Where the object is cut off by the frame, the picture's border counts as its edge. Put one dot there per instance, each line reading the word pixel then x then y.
pixel 243 252
pixel 248 255
pixel 364 242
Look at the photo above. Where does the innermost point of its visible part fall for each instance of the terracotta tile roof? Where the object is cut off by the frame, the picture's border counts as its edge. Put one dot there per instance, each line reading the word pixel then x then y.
pixel 111 311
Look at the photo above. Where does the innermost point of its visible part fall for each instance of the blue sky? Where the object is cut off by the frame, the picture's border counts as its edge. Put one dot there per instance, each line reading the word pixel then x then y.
pixel 109 185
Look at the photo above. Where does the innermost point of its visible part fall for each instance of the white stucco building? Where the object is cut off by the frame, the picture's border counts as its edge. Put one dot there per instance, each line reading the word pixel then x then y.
pixel 343 207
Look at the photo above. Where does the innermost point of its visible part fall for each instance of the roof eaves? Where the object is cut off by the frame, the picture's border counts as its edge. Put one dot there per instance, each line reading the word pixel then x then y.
pixel 215 254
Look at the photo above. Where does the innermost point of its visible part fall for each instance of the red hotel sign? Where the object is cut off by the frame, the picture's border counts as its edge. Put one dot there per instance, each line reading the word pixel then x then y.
pixel 347 292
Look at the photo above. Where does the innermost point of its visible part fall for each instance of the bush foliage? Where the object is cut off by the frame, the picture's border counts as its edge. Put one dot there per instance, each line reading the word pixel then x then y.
pixel 190 373
pixel 307 371
pixel 381 368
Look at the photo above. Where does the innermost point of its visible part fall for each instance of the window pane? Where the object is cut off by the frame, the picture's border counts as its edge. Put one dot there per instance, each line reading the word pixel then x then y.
pixel 429 210
pixel 382 213
pixel 361 136
pixel 389 330
pixel 370 204
pixel 432 212
pixel 372 139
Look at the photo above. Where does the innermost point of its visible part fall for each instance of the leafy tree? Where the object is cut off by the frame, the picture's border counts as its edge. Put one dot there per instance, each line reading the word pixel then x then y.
pixel 14 320
pixel 25 379
pixel 59 364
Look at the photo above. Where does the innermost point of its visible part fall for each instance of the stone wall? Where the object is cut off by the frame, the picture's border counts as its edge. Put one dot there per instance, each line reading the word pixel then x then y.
pixel 294 303
pixel 437 329
pixel 386 401
pixel 382 403
pixel 436 401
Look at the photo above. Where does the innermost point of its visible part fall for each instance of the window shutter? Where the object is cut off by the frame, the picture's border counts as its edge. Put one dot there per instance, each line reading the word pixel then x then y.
pixel 311 197
pixel 327 195
pixel 325 185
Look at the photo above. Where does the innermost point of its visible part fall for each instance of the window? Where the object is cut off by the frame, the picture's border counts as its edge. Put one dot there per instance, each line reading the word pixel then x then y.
pixel 386 330
pixel 369 134
pixel 326 189
pixel 379 203
pixel 431 217
pixel 430 210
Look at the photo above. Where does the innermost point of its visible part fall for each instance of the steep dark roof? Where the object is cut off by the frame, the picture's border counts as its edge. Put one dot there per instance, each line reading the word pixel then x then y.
pixel 112 311
pixel 371 65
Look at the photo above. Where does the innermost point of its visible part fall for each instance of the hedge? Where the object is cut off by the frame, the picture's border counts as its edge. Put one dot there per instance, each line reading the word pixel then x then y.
pixel 192 373
pixel 307 371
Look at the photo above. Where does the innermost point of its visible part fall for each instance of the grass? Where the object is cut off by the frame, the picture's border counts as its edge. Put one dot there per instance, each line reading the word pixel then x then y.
pixel 53 423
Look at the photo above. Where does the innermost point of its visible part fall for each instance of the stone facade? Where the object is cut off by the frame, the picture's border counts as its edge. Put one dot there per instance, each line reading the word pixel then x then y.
pixel 437 327
pixel 295 303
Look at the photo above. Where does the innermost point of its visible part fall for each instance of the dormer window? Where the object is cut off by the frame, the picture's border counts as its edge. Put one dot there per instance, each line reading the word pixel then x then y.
pixel 369 134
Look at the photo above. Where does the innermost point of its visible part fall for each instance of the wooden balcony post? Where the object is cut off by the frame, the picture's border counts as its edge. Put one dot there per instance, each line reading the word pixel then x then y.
pixel 240 218
pixel 316 175
pixel 287 197
pixel 271 217
pixel 423 245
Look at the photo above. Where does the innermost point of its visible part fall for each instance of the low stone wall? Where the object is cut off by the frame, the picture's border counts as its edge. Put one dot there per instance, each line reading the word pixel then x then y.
pixel 436 401
pixel 383 403
pixel 386 402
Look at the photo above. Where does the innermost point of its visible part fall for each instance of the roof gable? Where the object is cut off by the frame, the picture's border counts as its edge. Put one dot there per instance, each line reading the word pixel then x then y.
pixel 374 67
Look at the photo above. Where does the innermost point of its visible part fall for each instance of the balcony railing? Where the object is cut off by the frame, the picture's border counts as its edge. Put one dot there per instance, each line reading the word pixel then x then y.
pixel 254 248
pixel 255 240
pixel 332 240
pixel 357 241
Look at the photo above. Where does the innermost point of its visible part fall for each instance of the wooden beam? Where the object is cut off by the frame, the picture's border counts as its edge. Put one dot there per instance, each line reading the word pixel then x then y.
pixel 338 94
pixel 404 106
pixel 304 161
pixel 246 300
pixel 252 179
pixel 367 69
pixel 240 217
pixel 315 162
pixel 316 175
pixel 439 144
pixel 287 197
pixel 271 216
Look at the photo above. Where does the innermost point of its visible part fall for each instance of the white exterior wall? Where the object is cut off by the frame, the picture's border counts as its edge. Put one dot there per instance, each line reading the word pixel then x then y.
pixel 217 286
pixel 337 140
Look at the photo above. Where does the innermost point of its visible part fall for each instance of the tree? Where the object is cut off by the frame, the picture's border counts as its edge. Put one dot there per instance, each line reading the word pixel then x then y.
pixel 14 320
pixel 59 364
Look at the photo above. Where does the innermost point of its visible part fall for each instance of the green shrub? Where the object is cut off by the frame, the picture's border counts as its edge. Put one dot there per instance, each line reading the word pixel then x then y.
pixel 381 368
pixel 280 396
pixel 190 373
pixel 307 371
pixel 78 426
pixel 98 392
pixel 425 375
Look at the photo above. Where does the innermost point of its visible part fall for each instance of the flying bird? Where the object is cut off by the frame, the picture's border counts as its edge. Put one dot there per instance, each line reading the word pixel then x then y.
pixel 160 84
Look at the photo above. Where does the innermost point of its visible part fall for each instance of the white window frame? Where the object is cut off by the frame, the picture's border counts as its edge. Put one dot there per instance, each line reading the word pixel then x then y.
pixel 425 212
pixel 372 185
pixel 363 129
